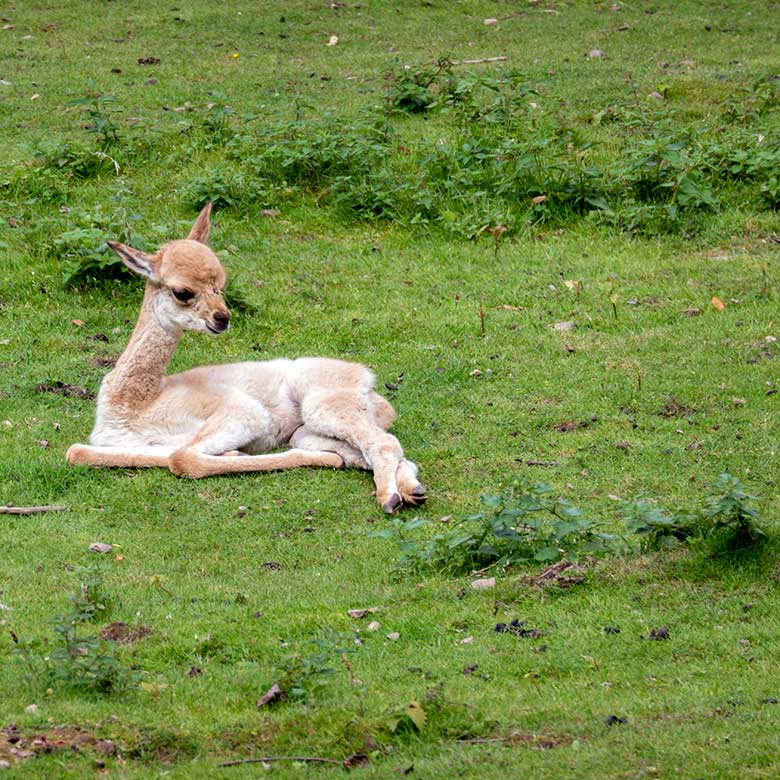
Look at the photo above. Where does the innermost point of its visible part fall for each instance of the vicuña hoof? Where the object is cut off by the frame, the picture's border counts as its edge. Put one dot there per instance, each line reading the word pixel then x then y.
pixel 393 504
pixel 417 497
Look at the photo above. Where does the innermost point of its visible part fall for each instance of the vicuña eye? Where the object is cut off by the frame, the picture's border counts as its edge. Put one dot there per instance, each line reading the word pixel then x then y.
pixel 183 295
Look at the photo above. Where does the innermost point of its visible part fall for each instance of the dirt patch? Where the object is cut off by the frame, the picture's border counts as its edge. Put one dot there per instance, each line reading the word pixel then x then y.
pixel 124 634
pixel 63 388
pixel 523 738
pixel 574 425
pixel 107 361
pixel 674 408
pixel 16 746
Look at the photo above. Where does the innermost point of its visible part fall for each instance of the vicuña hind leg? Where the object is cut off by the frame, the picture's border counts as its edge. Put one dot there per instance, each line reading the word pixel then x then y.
pixel 306 439
pixel 210 452
pixel 348 416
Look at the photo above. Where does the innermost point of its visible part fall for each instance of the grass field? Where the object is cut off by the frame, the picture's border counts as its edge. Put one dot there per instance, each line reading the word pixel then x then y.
pixel 618 172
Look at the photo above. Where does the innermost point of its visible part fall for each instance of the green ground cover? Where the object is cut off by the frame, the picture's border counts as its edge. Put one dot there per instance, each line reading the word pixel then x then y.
pixel 619 171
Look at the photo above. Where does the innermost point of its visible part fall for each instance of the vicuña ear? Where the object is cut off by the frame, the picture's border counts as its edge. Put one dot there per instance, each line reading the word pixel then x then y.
pixel 136 260
pixel 200 230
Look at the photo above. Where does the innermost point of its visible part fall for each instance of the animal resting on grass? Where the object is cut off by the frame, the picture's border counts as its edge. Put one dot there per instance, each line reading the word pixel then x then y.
pixel 218 419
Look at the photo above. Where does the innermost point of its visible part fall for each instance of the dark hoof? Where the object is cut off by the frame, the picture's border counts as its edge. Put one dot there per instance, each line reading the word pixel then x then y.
pixel 418 496
pixel 393 504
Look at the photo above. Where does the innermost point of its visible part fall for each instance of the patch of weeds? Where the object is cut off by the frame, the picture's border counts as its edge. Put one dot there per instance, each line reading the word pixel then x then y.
pixel 724 521
pixel 415 89
pixel 163 746
pixel 520 525
pixel 216 120
pixel 79 658
pixel 654 527
pixel 530 524
pixel 99 110
pixel 52 169
pixel 437 715
pixel 225 186
pixel 751 103
pixel 770 192
pixel 663 170
pixel 83 246
pixel 301 676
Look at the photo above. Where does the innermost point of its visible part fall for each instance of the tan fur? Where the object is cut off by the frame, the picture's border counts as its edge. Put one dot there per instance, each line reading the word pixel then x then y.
pixel 223 419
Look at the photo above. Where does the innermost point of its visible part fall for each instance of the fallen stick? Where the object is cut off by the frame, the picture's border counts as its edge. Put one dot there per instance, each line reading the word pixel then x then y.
pixel 30 510
pixel 269 759
pixel 478 62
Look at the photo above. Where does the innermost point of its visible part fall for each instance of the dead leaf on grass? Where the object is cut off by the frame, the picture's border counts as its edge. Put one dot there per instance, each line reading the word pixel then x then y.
pixel 563 574
pixel 416 714
pixel 271 696
pixel 361 613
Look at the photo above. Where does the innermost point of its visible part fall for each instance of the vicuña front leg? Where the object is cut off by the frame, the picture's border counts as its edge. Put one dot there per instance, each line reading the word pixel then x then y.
pixel 118 457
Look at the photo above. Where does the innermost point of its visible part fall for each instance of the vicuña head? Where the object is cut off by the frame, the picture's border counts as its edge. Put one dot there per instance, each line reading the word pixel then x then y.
pixel 187 278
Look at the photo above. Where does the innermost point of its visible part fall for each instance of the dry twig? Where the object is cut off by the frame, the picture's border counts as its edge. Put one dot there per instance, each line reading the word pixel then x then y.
pixel 30 510
pixel 269 759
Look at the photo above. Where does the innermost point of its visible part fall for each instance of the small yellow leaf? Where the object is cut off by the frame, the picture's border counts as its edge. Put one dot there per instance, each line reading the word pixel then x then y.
pixel 717 303
pixel 416 714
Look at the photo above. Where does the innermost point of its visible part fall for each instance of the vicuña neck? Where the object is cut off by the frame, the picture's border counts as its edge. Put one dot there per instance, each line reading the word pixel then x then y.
pixel 136 378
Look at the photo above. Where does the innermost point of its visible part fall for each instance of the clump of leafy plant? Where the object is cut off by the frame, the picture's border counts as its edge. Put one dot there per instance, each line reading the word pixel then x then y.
pixel 100 110
pixel 301 675
pixel 726 519
pixel 83 246
pixel 758 100
pixel 652 526
pixel 79 658
pixel 521 525
pixel 412 89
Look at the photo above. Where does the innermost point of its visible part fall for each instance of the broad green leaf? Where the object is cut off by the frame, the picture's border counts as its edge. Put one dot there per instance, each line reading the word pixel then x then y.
pixel 416 714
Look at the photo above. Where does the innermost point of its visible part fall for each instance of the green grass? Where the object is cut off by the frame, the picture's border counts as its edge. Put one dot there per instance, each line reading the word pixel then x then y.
pixel 671 400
